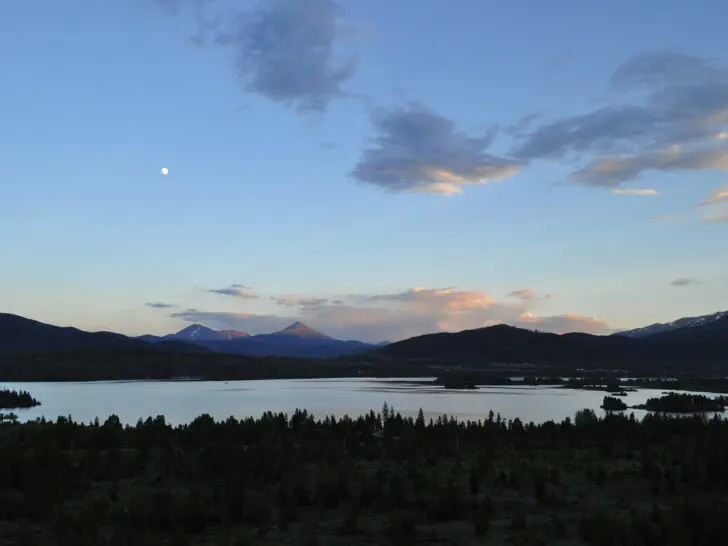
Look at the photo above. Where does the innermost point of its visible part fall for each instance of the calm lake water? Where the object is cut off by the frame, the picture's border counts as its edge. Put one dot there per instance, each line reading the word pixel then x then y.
pixel 182 401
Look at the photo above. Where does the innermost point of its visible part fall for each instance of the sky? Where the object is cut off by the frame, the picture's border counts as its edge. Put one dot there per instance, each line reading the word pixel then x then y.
pixel 375 169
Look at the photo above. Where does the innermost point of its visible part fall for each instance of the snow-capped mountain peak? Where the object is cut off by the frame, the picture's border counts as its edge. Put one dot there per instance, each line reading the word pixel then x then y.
pixel 193 331
pixel 197 332
pixel 686 322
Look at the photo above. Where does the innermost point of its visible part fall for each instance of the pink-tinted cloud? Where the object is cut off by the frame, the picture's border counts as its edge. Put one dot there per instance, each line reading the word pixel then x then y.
pixel 561 324
pixel 721 216
pixel 634 191
pixel 718 196
pixel 398 315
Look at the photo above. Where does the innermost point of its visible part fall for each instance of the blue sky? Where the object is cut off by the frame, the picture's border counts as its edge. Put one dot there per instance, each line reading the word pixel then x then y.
pixel 376 169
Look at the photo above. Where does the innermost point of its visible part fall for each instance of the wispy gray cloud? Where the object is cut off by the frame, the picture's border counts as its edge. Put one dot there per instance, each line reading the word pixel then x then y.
pixel 416 149
pixel 720 216
pixel 663 68
pixel 527 294
pixel 234 290
pixel 718 196
pixel 675 127
pixel 248 322
pixel 290 301
pixel 611 170
pixel 284 50
pixel 685 281
pixel 160 305
pixel 662 218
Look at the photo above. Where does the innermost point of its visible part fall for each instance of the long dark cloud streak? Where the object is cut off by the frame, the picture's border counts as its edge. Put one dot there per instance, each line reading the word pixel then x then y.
pixel 684 106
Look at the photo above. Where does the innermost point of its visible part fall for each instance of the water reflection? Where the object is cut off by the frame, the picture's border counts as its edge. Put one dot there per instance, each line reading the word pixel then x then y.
pixel 182 401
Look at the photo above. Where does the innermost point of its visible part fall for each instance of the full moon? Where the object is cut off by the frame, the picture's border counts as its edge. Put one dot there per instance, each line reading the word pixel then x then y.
pixel 164 171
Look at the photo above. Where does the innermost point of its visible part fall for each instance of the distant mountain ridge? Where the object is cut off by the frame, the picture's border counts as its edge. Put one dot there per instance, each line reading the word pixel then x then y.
pixel 295 340
pixel 704 344
pixel 691 341
pixel 686 322
pixel 23 334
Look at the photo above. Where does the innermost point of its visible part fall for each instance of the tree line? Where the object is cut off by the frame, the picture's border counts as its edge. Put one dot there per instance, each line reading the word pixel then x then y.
pixel 381 478
pixel 14 399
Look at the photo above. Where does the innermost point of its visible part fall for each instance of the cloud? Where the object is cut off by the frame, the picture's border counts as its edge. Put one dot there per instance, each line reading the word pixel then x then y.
pixel 662 218
pixel 718 196
pixel 634 191
pixel 677 105
pixel 562 324
pixel 248 322
pixel 284 50
pixel 663 68
pixel 159 305
pixel 398 315
pixel 721 216
pixel 612 171
pixel 290 301
pixel 685 281
pixel 527 294
pixel 234 290
pixel 416 149
pixel 720 137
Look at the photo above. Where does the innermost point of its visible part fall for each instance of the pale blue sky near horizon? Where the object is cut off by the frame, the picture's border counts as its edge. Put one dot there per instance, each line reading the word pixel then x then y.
pixel 98 97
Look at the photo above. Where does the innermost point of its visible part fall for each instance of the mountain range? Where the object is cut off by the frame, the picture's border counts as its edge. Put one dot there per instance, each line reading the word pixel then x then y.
pixel 692 341
pixel 22 334
pixel 687 322
pixel 296 340
pixel 698 343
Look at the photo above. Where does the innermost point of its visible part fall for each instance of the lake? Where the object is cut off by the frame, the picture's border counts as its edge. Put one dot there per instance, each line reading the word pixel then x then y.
pixel 182 401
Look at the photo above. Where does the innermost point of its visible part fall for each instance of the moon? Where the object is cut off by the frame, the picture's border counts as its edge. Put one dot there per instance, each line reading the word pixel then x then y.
pixel 164 171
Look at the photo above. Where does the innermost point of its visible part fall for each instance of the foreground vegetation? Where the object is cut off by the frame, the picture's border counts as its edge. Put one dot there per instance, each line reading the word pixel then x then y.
pixel 379 479
pixel 12 399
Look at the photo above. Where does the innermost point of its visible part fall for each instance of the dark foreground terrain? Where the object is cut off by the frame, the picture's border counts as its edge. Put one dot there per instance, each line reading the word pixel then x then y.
pixel 380 479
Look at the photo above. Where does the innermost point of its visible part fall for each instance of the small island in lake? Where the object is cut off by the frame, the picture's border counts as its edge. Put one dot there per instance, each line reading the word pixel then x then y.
pixel 610 403
pixel 457 380
pixel 611 386
pixel 11 399
pixel 684 403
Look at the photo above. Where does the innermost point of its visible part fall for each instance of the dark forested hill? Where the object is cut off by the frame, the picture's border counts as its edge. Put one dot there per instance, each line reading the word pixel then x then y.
pixel 505 344
pixel 22 334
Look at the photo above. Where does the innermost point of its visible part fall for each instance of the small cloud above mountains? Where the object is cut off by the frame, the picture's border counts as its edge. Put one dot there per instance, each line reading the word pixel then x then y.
pixel 528 295
pixel 234 290
pixel 685 281
pixel 160 305
pixel 634 191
